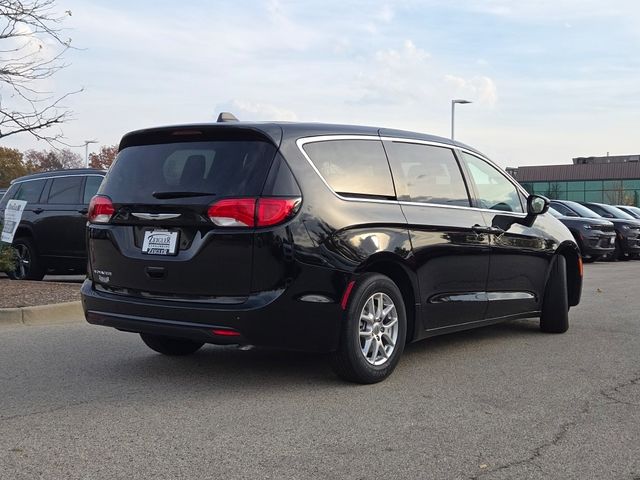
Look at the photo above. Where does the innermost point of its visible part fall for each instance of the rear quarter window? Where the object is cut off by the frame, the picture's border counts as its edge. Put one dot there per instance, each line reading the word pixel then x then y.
pixel 10 193
pixel 30 191
pixel 352 167
pixel 91 187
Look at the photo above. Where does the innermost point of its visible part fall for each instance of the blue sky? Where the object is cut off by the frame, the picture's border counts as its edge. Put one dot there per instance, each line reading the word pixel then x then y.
pixel 550 80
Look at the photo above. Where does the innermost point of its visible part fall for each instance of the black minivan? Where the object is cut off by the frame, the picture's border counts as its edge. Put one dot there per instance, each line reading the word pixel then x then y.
pixel 327 238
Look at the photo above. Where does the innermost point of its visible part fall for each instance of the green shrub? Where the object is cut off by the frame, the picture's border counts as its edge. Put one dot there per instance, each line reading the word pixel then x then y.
pixel 7 256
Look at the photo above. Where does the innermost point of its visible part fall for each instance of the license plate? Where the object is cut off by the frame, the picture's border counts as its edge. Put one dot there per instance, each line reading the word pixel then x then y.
pixel 160 242
pixel 612 241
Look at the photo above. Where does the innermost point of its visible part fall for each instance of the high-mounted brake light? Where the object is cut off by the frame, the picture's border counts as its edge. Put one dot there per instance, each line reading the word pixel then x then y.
pixel 252 212
pixel 100 209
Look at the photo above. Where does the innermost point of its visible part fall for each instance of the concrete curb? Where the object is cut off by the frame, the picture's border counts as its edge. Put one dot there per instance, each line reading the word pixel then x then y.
pixel 54 314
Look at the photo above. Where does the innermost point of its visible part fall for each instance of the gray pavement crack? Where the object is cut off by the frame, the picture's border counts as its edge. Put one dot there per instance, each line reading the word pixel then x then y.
pixel 116 396
pixel 610 392
pixel 538 451
pixel 40 412
pixel 563 430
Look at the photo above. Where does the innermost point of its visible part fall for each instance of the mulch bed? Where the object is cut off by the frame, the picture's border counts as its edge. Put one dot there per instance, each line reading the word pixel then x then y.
pixel 24 293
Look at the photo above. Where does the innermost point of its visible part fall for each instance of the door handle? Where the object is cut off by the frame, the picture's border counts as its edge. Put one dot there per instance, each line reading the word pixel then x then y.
pixel 481 229
pixel 38 210
pixel 83 211
pixel 484 229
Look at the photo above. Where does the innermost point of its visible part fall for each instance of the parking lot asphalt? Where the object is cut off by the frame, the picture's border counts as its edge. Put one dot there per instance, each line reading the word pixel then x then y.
pixel 502 402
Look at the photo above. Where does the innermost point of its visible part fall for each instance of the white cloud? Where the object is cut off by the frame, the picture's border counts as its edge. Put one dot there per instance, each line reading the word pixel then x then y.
pixel 552 9
pixel 408 55
pixel 479 89
pixel 386 13
pixel 411 76
pixel 392 63
pixel 256 111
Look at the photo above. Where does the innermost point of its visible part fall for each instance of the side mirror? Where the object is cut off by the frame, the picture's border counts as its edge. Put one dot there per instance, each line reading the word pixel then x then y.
pixel 537 205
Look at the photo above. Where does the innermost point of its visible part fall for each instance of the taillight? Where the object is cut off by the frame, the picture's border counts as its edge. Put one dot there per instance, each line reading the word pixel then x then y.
pixel 272 211
pixel 100 209
pixel 233 212
pixel 252 212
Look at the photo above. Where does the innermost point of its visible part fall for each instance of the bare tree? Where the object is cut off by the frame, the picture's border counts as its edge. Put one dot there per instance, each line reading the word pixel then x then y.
pixel 555 191
pixel 47 160
pixel 619 196
pixel 31 51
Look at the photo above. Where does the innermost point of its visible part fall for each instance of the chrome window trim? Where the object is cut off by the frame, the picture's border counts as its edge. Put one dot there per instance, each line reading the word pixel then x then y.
pixel 508 177
pixel 462 149
pixel 301 142
pixel 325 138
pixel 16 182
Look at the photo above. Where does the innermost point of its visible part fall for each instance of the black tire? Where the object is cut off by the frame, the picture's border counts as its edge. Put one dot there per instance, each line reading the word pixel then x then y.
pixel 555 305
pixel 619 252
pixel 590 259
pixel 349 361
pixel 28 265
pixel 170 345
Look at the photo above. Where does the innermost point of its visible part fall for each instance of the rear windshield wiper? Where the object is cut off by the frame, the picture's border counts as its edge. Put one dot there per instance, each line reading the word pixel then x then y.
pixel 165 195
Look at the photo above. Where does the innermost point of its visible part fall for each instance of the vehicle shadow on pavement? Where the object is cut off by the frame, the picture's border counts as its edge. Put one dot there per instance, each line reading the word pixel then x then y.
pixel 499 332
pixel 235 368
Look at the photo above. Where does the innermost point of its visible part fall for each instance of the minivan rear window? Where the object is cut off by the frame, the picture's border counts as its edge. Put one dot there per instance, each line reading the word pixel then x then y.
pixel 220 168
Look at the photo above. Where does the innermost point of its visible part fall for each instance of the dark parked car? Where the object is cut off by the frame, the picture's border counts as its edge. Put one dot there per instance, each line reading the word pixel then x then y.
pixel 633 211
pixel 326 238
pixel 627 229
pixel 596 237
pixel 627 233
pixel 51 236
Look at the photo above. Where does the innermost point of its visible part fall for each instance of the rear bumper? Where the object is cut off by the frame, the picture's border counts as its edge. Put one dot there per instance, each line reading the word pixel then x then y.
pixel 283 322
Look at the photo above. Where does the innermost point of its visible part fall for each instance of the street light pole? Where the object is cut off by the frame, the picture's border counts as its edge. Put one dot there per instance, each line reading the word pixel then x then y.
pixel 86 151
pixel 453 113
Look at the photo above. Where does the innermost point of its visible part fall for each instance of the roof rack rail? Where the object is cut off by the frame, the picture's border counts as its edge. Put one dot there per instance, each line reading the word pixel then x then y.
pixel 225 117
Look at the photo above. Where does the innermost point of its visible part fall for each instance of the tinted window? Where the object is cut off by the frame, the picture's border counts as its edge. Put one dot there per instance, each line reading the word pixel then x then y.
pixel 91 188
pixel 582 210
pixel 555 212
pixel 65 190
pixel 220 168
pixel 563 210
pixel 494 190
pixel 30 191
pixel 280 181
pixel 608 211
pixel 633 211
pixel 424 173
pixel 357 167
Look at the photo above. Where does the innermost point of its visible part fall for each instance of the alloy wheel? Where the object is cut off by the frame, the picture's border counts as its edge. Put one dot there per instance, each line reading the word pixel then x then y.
pixel 23 261
pixel 378 330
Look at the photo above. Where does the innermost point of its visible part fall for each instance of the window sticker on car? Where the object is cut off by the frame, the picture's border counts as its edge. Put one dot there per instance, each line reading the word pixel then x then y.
pixel 12 217
pixel 160 242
